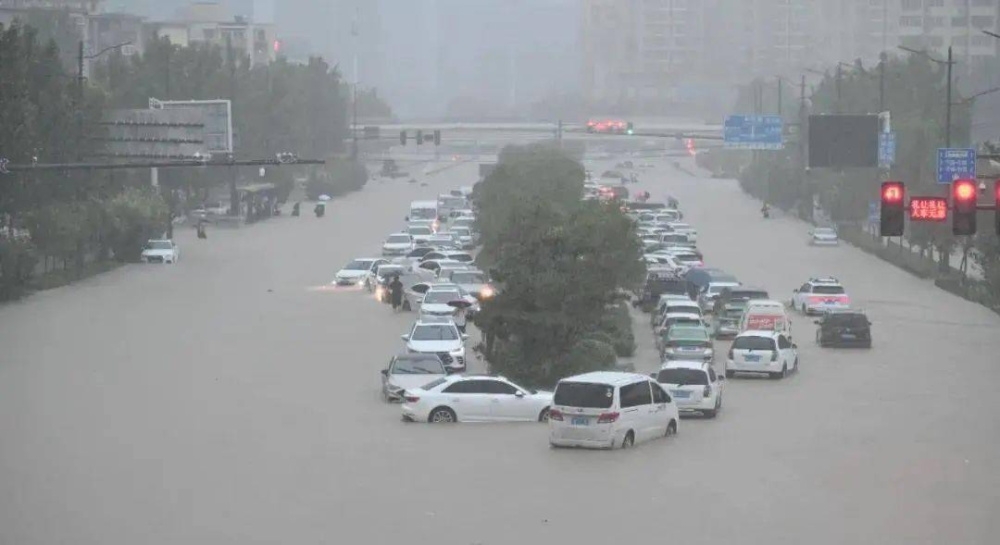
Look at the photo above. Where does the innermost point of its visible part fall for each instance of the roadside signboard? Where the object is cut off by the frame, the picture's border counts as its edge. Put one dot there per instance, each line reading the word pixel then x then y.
pixel 955 163
pixel 886 149
pixel 753 132
pixel 928 209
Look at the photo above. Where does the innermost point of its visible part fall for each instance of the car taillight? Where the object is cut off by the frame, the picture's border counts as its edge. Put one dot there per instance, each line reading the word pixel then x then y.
pixel 774 355
pixel 730 353
pixel 411 399
pixel 555 415
pixel 707 391
pixel 607 418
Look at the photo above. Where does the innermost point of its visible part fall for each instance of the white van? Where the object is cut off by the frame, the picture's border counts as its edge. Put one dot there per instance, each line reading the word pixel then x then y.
pixel 605 409
pixel 765 315
pixel 423 211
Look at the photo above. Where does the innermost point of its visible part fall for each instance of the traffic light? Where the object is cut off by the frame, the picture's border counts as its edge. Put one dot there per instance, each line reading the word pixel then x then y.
pixel 893 209
pixel 402 138
pixel 437 137
pixel 963 195
pixel 420 138
pixel 629 129
pixel 996 202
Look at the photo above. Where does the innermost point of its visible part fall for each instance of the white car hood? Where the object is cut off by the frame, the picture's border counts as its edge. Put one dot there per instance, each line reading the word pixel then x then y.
pixel 396 245
pixel 410 382
pixel 434 346
pixel 346 273
pixel 161 253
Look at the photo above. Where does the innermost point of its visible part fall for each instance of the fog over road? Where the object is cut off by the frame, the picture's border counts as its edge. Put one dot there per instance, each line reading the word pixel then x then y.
pixel 225 400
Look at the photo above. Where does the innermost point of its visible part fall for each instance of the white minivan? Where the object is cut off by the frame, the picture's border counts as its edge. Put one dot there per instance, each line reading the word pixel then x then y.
pixel 605 409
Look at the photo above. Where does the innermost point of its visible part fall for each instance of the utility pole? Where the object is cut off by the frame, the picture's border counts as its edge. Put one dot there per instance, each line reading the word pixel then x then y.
pixel 779 95
pixel 234 197
pixel 839 74
pixel 947 115
pixel 881 82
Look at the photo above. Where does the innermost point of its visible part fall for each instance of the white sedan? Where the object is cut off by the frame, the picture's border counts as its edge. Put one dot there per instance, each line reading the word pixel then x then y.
pixel 357 270
pixel 458 398
pixel 824 236
pixel 408 371
pixel 397 244
pixel 161 251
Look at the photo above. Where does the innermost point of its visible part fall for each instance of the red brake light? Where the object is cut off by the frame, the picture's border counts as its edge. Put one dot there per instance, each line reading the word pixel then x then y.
pixel 607 418
pixel 555 415
pixel 411 399
pixel 730 353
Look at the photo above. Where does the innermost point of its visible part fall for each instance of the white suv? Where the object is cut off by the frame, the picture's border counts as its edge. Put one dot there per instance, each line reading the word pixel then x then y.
pixel 694 384
pixel 770 352
pixel 820 295
pixel 438 336
pixel 607 410
pixel 397 244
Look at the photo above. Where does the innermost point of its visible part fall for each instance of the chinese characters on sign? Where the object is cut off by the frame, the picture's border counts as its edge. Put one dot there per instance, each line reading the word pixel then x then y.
pixel 928 209
pixel 955 163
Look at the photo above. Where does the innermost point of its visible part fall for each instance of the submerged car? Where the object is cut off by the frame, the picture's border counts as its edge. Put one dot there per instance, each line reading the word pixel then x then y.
pixel 357 270
pixel 686 342
pixel 160 251
pixel 824 236
pixel 475 398
pixel 439 337
pixel 409 371
pixel 844 328
pixel 694 385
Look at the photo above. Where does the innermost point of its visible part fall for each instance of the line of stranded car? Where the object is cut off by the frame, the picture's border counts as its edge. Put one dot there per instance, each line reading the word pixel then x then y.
pixel 689 305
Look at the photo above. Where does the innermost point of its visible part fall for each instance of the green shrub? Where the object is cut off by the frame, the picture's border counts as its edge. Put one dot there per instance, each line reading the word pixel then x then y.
pixel 133 217
pixel 17 264
pixel 338 177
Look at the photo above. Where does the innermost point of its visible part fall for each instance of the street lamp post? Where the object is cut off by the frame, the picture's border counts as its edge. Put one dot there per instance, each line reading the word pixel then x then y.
pixel 950 62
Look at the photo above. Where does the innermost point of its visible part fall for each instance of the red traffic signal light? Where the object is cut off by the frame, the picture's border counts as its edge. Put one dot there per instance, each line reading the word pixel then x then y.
pixel 893 211
pixel 963 195
pixel 892 192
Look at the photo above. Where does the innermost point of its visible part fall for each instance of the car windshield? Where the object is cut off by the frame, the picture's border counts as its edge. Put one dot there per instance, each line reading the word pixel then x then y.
pixel 358 265
pixel 694 334
pixel 434 332
pixel 825 231
pixel 398 238
pixel 583 394
pixel 753 343
pixel 159 245
pixel 747 295
pixel 684 308
pixel 419 230
pixel 683 377
pixel 385 270
pixel 468 278
pixel 418 366
pixel 828 290
pixel 847 320
pixel 423 213
pixel 442 297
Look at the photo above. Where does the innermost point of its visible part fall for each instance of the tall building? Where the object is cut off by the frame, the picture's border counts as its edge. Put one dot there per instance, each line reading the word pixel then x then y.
pixel 652 49
pixel 217 24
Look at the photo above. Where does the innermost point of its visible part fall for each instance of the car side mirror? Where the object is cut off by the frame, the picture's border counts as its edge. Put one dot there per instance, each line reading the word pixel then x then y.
pixel 465 337
pixel 405 337
pixel 385 372
pixel 794 345
pixel 796 290
pixel 519 393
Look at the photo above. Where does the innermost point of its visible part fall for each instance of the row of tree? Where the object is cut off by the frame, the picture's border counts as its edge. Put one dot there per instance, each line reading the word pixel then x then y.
pixel 563 265
pixel 915 91
pixel 49 115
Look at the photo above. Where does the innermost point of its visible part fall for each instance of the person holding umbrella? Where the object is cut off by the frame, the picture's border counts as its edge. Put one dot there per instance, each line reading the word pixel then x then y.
pixel 460 317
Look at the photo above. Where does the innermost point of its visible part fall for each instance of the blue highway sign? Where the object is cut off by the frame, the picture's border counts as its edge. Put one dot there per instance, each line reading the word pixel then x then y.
pixel 753 132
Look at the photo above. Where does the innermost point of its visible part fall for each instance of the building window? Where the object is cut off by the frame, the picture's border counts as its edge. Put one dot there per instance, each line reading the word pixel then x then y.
pixel 959 21
pixel 912 4
pixel 935 22
pixel 935 3
pixel 911 21
pixel 981 21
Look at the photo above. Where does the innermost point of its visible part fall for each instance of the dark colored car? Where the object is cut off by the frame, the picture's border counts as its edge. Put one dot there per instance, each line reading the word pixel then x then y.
pixel 658 283
pixel 699 277
pixel 844 328
pixel 739 293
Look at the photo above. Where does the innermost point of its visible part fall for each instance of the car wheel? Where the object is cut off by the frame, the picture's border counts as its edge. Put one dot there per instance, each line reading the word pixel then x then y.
pixel 442 415
pixel 544 415
pixel 629 440
pixel 710 413
pixel 781 374
pixel 671 428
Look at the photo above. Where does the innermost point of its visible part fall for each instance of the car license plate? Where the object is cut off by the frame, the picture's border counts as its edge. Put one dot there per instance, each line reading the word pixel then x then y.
pixel 751 358
pixel 681 393
pixel 849 336
pixel 580 421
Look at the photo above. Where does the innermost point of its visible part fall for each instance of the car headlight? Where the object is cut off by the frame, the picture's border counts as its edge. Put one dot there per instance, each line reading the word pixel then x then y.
pixel 487 292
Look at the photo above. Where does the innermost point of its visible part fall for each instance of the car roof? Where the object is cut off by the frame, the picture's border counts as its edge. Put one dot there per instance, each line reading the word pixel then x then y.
pixel 684 364
pixel 760 333
pixel 765 303
pixel 423 203
pixel 612 378
pixel 402 233
pixel 824 280
pixel 425 320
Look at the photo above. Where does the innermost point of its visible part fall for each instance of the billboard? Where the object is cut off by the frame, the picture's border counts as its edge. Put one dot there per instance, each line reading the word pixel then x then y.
pixel 217 117
pixel 839 141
